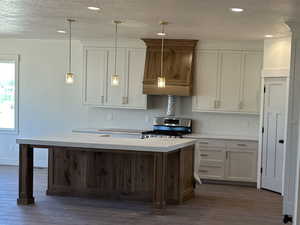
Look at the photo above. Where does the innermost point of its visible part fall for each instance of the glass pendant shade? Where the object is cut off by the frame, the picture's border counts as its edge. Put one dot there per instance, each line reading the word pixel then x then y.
pixel 161 82
pixel 69 75
pixel 69 78
pixel 115 80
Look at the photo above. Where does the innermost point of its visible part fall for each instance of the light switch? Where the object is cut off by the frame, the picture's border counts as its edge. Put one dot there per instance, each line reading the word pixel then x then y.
pixel 109 116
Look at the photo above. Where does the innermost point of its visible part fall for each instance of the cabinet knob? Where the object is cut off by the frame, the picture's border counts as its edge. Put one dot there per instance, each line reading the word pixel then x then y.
pixel 204 155
pixel 203 171
pixel 242 145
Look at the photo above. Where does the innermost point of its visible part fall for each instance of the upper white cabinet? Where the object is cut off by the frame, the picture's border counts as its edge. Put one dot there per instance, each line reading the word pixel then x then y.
pixel 251 82
pixel 99 66
pixel 230 79
pixel 95 75
pixel 206 86
pixel 227 81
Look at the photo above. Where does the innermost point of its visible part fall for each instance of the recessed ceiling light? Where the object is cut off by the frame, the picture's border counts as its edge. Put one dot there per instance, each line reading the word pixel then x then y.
pixel 268 36
pixel 94 8
pixel 236 9
pixel 161 34
pixel 62 31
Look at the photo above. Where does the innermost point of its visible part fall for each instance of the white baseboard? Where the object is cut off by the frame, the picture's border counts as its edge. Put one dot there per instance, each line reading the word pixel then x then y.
pixel 15 162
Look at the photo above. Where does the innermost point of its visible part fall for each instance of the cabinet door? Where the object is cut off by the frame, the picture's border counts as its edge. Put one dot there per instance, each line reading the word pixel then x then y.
pixel 205 81
pixel 241 165
pixel 133 96
pixel 250 96
pixel 95 75
pixel 230 69
pixel 114 93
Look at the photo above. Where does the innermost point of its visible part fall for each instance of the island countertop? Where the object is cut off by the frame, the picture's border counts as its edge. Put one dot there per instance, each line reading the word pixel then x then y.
pixel 96 141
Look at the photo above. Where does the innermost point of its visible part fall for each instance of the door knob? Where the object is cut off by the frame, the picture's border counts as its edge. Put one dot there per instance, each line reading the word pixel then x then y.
pixel 281 141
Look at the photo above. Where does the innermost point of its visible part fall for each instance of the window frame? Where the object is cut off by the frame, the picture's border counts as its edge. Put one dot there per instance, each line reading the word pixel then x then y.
pixel 16 59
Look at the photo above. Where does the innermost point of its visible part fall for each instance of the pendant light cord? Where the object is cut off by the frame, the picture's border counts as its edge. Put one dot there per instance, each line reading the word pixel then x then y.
pixel 116 42
pixel 162 52
pixel 70 45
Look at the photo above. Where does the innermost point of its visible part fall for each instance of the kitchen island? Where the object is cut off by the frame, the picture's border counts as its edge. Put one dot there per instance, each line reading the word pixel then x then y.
pixel 155 169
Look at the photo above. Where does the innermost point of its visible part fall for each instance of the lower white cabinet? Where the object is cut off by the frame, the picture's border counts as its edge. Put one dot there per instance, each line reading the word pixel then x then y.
pixel 228 160
pixel 99 67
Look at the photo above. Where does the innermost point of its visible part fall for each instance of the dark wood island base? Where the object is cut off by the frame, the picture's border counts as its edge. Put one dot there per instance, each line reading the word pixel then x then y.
pixel 160 177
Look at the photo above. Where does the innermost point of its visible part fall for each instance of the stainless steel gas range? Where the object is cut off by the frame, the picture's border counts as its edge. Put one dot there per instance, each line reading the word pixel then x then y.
pixel 169 127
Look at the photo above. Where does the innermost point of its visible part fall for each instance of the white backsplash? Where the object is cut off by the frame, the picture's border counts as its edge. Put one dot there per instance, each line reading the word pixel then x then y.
pixel 208 123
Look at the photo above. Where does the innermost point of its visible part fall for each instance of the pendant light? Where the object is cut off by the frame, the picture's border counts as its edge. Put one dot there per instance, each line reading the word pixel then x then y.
pixel 115 78
pixel 161 80
pixel 69 74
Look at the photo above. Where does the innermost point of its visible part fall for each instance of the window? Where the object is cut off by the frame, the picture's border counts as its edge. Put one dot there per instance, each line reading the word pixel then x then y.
pixel 8 93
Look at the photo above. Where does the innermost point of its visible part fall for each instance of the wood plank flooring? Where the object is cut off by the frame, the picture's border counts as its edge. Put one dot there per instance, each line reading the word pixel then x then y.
pixel 213 205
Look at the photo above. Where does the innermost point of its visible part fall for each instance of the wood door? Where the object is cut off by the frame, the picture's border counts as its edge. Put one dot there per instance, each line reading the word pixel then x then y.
pixel 273 136
pixel 95 75
pixel 133 96
pixel 114 93
pixel 241 165
pixel 250 94
pixel 230 69
pixel 206 81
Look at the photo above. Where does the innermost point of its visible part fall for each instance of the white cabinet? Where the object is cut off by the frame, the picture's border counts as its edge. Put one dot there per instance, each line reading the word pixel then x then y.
pixel 95 70
pixel 206 85
pixel 134 77
pixel 227 81
pixel 99 66
pixel 241 165
pixel 230 80
pixel 251 82
pixel 227 160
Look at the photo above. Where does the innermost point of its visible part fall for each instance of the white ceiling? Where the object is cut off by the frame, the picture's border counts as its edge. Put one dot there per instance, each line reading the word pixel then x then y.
pixel 193 19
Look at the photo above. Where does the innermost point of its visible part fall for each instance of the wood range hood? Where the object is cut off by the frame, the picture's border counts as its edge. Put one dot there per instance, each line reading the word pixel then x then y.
pixel 178 66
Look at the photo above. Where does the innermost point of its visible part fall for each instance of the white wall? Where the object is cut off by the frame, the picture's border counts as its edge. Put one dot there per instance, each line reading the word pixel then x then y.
pixel 277 53
pixel 49 107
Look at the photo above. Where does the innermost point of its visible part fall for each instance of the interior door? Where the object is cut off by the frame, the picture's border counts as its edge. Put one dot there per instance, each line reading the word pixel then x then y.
pixel 274 132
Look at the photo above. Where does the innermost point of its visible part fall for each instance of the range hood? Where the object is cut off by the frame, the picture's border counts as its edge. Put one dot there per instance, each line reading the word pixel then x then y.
pixel 178 66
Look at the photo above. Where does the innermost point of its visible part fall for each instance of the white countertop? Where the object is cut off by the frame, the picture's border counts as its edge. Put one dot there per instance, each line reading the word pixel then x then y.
pixel 224 137
pixel 102 142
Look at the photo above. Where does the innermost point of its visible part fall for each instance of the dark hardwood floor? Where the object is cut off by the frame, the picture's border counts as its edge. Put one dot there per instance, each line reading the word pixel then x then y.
pixel 213 205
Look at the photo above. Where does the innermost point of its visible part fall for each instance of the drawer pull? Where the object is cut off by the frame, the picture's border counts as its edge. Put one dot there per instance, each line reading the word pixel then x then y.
pixel 242 145
pixel 204 143
pixel 204 155
pixel 203 171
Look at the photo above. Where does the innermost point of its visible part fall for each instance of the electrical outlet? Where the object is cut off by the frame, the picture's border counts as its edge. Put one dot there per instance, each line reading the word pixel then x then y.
pixel 147 119
pixel 109 116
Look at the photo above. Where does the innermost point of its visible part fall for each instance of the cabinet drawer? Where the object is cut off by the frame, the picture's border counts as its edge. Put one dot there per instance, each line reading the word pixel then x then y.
pixel 211 143
pixel 211 172
pixel 212 155
pixel 242 145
